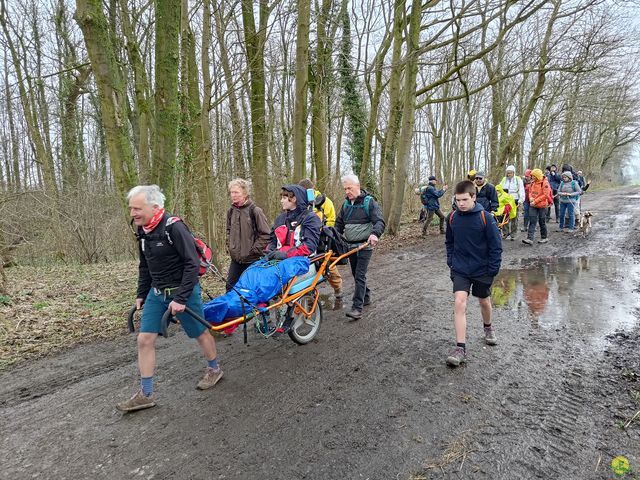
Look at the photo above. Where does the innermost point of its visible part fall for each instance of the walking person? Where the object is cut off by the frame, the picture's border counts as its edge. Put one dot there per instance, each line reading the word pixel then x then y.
pixel 553 177
pixel 474 255
pixel 168 280
pixel 569 193
pixel 506 208
pixel 525 204
pixel 486 194
pixel 540 198
pixel 359 220
pixel 514 186
pixel 248 230
pixel 431 200
pixel 326 211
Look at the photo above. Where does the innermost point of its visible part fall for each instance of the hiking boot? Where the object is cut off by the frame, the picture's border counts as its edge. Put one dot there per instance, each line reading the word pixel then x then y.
pixel 559 230
pixel 508 237
pixel 527 241
pixel 211 377
pixel 354 314
pixel 338 293
pixel 367 302
pixel 457 357
pixel 543 240
pixel 490 336
pixel 138 402
pixel 512 238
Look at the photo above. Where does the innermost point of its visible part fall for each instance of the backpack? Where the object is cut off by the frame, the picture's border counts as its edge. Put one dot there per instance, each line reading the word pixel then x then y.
pixel 365 204
pixel 423 197
pixel 331 239
pixel 205 254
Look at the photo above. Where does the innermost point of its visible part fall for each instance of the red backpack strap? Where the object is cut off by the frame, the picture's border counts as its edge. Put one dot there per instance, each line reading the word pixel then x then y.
pixel 451 217
pixel 484 219
pixel 172 220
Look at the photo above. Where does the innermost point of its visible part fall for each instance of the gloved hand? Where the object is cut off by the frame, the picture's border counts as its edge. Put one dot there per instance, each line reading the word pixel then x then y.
pixel 373 240
pixel 277 255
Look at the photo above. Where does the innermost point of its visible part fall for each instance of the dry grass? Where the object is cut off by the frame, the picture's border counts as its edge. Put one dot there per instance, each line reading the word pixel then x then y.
pixel 455 453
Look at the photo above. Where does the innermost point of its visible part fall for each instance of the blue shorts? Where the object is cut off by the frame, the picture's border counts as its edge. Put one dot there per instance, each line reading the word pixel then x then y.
pixel 155 305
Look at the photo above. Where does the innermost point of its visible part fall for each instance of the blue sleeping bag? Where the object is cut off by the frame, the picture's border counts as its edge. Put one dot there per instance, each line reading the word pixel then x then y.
pixel 258 284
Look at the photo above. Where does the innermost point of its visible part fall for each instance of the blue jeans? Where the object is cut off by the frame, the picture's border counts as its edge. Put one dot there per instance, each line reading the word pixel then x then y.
pixel 359 265
pixel 569 209
pixel 156 304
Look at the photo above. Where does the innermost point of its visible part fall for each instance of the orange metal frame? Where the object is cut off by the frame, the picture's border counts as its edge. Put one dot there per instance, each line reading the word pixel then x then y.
pixel 328 261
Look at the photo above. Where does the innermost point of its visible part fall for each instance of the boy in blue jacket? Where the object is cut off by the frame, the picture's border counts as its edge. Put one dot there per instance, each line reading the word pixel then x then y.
pixel 474 254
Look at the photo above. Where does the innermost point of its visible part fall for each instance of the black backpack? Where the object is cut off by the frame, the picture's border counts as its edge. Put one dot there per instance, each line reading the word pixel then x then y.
pixel 331 239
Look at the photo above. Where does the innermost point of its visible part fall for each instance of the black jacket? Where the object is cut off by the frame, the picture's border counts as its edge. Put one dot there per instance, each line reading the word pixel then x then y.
pixel 352 217
pixel 488 197
pixel 168 259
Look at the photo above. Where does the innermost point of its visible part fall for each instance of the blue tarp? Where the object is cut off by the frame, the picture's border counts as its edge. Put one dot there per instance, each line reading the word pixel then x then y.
pixel 258 284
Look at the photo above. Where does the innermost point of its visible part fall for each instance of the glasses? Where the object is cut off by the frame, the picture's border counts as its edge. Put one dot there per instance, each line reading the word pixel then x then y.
pixel 479 178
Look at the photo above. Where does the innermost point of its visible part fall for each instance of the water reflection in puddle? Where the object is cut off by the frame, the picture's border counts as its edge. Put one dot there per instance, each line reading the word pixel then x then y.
pixel 596 295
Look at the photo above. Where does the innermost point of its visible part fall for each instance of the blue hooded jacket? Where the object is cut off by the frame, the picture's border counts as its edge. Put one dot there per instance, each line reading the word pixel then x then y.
pixel 432 195
pixel 304 223
pixel 474 249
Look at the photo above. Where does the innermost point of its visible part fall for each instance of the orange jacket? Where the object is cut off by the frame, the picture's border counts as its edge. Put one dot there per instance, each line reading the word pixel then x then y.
pixel 539 193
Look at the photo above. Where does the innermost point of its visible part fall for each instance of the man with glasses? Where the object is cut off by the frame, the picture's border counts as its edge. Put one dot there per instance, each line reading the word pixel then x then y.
pixel 486 194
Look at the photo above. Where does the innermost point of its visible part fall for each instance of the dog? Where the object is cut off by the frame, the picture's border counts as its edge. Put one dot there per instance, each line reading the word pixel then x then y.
pixel 584 224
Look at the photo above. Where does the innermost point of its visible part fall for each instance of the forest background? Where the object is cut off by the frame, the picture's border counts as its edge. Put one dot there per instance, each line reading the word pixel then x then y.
pixel 98 96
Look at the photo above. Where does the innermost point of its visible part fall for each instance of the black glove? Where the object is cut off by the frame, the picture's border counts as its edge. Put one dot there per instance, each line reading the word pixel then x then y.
pixel 277 255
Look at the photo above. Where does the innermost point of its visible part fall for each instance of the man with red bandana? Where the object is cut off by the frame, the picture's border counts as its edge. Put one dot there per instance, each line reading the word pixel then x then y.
pixel 296 230
pixel 167 280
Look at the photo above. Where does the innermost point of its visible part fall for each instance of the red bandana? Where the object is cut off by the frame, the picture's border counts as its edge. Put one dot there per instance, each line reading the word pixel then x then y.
pixel 153 223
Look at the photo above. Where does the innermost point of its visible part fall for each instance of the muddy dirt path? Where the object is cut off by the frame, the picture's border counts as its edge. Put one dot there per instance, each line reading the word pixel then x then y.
pixel 372 399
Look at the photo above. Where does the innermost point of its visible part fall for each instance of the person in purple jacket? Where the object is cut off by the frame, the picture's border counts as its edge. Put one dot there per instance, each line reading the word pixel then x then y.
pixel 474 255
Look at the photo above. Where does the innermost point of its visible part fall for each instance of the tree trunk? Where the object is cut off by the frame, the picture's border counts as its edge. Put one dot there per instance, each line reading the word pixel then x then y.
pixel 254 44
pixel 167 110
pixel 111 90
pixel 408 114
pixel 301 86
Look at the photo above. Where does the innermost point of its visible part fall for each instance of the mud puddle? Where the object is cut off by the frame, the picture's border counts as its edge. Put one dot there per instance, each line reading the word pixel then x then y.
pixel 595 295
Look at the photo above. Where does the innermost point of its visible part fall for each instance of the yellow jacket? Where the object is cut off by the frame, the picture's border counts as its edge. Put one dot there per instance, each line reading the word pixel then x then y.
pixel 327 211
pixel 505 199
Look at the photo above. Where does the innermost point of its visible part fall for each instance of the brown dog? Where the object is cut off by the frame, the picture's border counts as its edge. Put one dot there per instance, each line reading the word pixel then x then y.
pixel 584 224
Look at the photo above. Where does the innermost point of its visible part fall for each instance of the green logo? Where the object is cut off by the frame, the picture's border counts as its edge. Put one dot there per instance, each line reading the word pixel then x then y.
pixel 620 465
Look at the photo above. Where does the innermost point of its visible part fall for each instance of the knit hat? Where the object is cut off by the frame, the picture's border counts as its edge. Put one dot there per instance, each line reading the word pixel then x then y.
pixel 537 174
pixel 568 174
pixel 480 174
pixel 527 172
pixel 432 177
pixel 511 168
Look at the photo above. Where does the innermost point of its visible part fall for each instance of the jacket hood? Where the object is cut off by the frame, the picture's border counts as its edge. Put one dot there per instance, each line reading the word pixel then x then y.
pixel 511 168
pixel 567 174
pixel 300 193
pixel 499 188
pixel 537 174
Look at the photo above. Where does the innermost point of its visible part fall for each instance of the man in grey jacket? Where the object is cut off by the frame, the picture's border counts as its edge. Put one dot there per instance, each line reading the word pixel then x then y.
pixel 360 220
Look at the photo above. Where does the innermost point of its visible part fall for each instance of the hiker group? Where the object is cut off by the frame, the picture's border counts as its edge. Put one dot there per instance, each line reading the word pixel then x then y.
pixel 482 215
pixel 170 261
